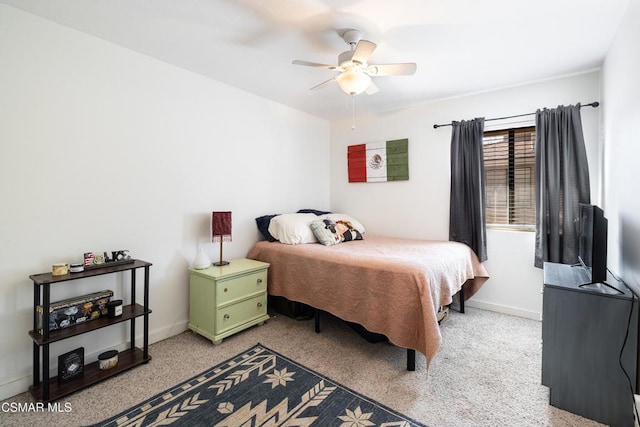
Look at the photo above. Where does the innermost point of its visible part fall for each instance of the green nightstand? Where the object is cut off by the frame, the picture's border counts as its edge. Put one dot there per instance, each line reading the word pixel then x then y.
pixel 227 299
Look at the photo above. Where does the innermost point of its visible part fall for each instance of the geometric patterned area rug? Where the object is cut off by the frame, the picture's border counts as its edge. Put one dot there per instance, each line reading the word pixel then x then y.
pixel 260 388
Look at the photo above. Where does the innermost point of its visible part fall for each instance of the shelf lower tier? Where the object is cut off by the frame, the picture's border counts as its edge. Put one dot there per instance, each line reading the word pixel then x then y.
pixel 127 359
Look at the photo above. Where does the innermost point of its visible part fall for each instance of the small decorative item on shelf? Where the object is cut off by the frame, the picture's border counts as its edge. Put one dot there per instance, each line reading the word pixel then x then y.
pixel 60 269
pixel 98 259
pixel 220 231
pixel 120 255
pixel 108 359
pixel 88 259
pixel 76 267
pixel 71 365
pixel 114 308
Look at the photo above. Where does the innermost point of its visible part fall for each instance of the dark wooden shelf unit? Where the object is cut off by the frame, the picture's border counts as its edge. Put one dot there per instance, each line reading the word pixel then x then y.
pixel 48 389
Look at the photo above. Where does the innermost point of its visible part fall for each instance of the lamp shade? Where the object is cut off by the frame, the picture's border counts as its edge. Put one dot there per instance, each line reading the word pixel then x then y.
pixel 220 227
pixel 353 82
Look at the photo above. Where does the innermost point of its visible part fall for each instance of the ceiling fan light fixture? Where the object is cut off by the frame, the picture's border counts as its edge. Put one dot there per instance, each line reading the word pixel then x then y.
pixel 353 82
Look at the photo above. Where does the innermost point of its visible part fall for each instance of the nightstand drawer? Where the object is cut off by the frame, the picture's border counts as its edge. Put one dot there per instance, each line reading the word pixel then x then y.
pixel 242 312
pixel 241 287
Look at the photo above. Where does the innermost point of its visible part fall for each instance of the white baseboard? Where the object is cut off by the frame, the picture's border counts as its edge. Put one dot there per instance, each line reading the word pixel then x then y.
pixel 15 387
pixel 498 308
pixel 168 331
pixel 21 385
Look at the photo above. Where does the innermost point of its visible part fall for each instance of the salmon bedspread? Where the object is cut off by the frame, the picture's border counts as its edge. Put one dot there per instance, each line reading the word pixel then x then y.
pixel 392 286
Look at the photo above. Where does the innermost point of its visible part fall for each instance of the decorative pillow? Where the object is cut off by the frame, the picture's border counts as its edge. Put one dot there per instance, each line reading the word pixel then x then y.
pixel 355 224
pixel 293 229
pixel 330 233
pixel 314 211
pixel 263 225
pixel 325 231
pixel 347 230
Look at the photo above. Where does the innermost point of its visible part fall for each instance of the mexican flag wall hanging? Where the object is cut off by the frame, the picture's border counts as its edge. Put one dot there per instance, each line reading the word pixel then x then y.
pixel 379 161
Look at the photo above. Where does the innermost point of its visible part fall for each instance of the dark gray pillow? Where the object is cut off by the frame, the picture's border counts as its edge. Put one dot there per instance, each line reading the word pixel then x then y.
pixel 313 211
pixel 263 225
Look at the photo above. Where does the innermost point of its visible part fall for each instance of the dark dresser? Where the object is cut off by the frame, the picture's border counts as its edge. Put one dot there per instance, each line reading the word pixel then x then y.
pixel 583 331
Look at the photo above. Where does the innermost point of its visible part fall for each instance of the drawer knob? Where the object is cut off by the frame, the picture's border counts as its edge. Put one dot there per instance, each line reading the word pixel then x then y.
pixel 259 304
pixel 226 317
pixel 259 281
pixel 225 289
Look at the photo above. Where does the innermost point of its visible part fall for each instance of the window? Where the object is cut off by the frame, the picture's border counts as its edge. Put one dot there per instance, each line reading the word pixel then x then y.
pixel 510 162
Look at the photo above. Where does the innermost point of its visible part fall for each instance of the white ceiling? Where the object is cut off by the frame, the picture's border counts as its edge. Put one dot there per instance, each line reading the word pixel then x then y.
pixel 460 46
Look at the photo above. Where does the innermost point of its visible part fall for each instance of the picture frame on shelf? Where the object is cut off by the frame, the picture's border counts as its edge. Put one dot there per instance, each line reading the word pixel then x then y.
pixel 71 365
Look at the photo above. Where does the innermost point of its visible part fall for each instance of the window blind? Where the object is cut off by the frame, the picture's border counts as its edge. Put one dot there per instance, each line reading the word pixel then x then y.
pixel 509 161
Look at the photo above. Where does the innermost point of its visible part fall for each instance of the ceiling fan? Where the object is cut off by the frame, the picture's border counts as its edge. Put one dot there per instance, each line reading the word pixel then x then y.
pixel 355 72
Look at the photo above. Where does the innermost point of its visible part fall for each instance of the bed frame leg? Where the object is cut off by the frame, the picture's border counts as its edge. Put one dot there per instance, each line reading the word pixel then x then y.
pixel 317 319
pixel 411 359
pixel 461 297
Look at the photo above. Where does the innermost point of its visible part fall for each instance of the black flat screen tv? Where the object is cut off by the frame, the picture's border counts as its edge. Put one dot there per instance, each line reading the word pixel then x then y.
pixel 592 251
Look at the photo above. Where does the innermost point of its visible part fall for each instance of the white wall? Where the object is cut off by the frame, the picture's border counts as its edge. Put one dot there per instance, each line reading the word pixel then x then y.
pixel 104 149
pixel 621 119
pixel 420 207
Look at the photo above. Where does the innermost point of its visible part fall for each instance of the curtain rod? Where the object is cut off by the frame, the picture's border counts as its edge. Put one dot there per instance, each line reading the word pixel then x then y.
pixel 592 104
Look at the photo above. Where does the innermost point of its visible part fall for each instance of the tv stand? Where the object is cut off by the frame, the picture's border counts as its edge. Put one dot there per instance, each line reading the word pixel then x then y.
pixel 583 328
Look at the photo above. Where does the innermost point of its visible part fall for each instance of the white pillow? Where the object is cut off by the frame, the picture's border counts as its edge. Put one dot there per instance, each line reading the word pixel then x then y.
pixel 293 229
pixel 344 217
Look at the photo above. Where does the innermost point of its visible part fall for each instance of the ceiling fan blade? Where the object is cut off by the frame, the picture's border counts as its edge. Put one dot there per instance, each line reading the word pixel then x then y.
pixel 315 64
pixel 322 84
pixel 363 51
pixel 371 89
pixel 405 69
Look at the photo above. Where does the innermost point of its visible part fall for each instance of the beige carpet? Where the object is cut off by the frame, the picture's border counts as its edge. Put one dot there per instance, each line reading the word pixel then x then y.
pixel 487 372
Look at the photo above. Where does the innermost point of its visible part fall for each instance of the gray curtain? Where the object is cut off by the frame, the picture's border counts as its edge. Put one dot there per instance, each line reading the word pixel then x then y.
pixel 562 183
pixel 467 222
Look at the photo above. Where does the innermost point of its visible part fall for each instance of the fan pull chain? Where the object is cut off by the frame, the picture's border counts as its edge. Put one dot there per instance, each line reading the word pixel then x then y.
pixel 353 109
pixel 353 112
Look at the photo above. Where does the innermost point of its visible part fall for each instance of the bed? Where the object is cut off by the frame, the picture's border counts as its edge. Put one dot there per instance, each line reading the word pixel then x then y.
pixel 391 286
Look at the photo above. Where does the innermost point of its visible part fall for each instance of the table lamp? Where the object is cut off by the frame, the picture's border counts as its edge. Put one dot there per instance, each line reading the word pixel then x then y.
pixel 220 231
